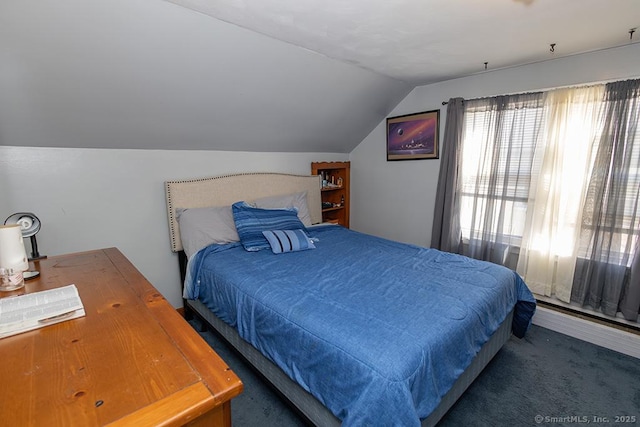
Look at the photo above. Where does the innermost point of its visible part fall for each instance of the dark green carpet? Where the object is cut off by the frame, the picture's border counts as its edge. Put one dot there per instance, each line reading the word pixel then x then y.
pixel 546 377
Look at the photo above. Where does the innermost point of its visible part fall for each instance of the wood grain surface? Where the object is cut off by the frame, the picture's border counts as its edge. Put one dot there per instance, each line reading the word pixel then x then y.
pixel 132 360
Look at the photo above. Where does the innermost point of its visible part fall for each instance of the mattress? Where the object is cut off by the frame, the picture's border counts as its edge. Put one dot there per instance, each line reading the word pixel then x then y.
pixel 377 331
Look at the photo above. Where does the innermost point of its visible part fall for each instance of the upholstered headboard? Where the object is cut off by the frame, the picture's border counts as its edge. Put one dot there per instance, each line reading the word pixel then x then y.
pixel 228 189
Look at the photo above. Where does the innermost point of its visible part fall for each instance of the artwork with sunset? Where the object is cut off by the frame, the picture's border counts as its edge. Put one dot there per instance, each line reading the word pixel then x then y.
pixel 413 136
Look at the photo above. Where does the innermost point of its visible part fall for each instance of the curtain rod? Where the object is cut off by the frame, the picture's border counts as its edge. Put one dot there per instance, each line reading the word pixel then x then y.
pixel 557 87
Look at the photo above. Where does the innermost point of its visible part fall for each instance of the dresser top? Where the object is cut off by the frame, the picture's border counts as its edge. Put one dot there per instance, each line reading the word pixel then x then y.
pixel 132 359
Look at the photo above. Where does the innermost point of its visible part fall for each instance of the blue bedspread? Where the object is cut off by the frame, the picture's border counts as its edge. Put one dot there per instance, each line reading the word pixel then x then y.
pixel 377 330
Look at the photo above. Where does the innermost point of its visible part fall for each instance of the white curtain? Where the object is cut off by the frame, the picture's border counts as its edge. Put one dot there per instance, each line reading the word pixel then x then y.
pixel 561 166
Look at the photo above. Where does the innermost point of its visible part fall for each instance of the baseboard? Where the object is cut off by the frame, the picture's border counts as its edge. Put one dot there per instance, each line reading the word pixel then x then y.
pixel 595 333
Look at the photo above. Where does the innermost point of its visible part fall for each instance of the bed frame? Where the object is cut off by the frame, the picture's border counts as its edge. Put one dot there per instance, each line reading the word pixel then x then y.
pixel 226 190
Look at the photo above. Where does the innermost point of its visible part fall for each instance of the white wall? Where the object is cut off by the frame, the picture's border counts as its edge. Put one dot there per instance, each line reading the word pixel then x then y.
pixel 395 199
pixel 151 74
pixel 96 198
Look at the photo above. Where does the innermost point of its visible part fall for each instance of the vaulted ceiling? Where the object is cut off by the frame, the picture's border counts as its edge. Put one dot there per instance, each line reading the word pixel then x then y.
pixel 261 75
pixel 426 41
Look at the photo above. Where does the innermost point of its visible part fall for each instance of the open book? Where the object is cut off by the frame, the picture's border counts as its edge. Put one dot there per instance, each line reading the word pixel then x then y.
pixel 32 311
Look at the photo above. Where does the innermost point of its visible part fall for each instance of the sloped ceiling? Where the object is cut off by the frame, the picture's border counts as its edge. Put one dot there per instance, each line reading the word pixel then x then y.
pixel 271 75
pixel 426 41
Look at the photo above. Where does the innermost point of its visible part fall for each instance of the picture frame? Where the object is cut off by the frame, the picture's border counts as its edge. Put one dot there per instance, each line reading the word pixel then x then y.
pixel 413 136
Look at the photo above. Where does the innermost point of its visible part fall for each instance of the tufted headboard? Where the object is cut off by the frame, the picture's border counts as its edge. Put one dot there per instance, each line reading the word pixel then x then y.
pixel 228 189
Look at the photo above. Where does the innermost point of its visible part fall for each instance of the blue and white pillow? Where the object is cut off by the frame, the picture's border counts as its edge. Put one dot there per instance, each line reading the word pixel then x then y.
pixel 283 241
pixel 251 222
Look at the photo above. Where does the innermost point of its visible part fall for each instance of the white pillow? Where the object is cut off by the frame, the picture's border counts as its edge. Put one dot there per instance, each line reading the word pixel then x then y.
pixel 295 200
pixel 201 227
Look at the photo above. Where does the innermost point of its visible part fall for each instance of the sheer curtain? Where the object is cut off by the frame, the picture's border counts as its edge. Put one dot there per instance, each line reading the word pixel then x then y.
pixel 630 305
pixel 499 136
pixel 445 233
pixel 611 218
pixel 549 246
pixel 548 184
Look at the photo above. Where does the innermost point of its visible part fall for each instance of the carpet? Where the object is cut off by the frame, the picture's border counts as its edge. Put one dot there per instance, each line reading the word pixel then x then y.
pixel 543 379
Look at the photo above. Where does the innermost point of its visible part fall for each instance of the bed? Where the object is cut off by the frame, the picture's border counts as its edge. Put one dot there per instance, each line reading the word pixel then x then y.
pixel 385 333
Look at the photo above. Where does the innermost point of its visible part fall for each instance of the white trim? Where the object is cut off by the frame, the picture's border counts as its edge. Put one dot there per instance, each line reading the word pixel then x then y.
pixel 595 333
pixel 619 319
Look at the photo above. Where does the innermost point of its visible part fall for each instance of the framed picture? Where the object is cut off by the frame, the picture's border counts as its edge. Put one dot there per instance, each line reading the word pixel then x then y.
pixel 413 136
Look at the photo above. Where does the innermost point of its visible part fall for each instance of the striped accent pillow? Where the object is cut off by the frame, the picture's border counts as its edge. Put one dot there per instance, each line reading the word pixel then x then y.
pixel 282 241
pixel 251 222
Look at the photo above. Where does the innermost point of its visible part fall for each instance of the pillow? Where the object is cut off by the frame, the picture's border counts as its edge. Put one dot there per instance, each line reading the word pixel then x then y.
pixel 297 200
pixel 251 222
pixel 201 227
pixel 282 241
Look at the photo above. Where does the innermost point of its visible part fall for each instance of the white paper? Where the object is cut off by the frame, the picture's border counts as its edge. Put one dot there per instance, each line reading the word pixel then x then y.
pixel 31 311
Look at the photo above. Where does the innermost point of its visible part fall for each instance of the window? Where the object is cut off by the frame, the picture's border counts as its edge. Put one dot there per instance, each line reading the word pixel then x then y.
pixel 549 182
pixel 497 157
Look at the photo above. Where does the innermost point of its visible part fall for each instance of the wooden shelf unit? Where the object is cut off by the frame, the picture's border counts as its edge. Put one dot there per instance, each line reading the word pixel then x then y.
pixel 334 171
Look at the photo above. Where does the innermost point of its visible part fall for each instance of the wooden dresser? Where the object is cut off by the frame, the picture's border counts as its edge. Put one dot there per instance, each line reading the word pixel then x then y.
pixel 132 360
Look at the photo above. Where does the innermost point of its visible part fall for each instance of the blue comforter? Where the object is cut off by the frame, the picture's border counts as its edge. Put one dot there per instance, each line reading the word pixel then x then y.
pixel 378 331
